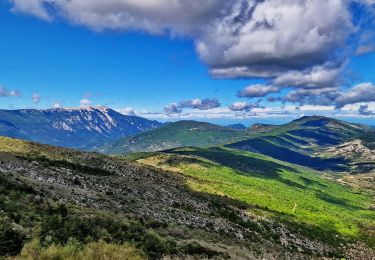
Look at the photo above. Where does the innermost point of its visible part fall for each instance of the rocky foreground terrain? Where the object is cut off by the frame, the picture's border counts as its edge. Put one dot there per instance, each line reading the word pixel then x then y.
pixel 53 194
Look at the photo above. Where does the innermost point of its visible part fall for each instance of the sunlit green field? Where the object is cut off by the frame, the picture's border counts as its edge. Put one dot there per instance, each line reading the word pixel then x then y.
pixel 281 190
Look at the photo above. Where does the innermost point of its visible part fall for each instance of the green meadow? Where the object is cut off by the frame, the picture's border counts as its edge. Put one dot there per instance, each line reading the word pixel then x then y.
pixel 296 195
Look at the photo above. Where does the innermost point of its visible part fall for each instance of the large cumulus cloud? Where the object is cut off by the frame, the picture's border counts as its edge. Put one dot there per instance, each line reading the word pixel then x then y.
pixel 235 38
pixel 154 16
pixel 364 92
pixel 268 38
pixel 360 93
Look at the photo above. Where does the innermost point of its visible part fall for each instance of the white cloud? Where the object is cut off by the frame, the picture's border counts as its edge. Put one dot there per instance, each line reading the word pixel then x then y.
pixel 317 96
pixel 32 7
pixel 258 90
pixel 243 106
pixel 356 106
pixel 172 108
pixel 318 76
pixel 267 38
pixel 363 49
pixel 57 105
pixel 364 92
pixel 332 96
pixel 240 106
pixel 221 113
pixel 36 98
pixel 153 16
pixel 128 111
pixel 85 102
pixel 15 93
pixel 4 92
pixel 364 110
pixel 200 104
pixel 287 111
pixel 309 108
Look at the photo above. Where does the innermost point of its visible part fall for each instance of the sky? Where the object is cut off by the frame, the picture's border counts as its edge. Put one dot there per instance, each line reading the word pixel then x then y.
pixel 223 61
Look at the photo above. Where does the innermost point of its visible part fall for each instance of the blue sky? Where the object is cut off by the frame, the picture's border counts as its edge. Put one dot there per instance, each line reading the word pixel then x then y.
pixel 65 63
pixel 54 54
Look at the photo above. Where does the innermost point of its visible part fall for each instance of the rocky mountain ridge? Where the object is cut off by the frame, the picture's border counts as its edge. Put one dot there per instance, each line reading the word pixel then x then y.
pixel 80 128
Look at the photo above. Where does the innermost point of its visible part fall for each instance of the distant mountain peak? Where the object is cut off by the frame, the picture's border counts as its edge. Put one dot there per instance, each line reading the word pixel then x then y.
pixel 81 127
pixel 313 117
pixel 323 121
pixel 85 108
pixel 237 126
pixel 258 128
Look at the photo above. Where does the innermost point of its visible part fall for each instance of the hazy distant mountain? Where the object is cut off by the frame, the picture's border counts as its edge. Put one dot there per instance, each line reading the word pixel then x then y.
pixel 257 128
pixel 82 128
pixel 178 134
pixel 237 126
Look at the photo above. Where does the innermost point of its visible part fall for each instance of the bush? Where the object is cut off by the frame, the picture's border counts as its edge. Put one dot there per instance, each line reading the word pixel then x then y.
pixel 154 245
pixel 11 239
pixel 196 249
pixel 76 251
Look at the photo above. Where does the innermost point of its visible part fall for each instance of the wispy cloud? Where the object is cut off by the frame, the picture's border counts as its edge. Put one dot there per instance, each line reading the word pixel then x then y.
pixel 258 90
pixel 128 111
pixel 58 104
pixel 85 102
pixel 36 98
pixel 4 92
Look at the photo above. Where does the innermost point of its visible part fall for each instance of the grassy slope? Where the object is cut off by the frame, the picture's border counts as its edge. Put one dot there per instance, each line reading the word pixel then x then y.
pixel 38 202
pixel 276 187
pixel 296 142
pixel 58 196
pixel 179 134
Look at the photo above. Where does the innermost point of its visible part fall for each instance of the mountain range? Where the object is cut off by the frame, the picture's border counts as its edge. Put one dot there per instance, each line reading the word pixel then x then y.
pixel 305 141
pixel 184 190
pixel 308 141
pixel 80 128
pixel 172 135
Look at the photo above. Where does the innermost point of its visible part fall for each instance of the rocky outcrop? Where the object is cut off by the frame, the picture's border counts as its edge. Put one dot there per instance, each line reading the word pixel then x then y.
pixel 352 150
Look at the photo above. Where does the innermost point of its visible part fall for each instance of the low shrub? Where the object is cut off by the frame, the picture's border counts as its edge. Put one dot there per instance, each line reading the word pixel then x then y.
pixel 73 250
